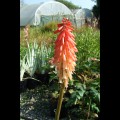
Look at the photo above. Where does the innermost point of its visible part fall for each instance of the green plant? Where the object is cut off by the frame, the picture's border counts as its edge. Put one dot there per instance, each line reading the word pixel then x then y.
pixel 36 33
pixel 84 99
pixel 43 56
pixel 76 93
pixel 23 50
pixel 49 27
pixel 88 44
pixel 96 9
pixel 84 91
pixel 22 68
pixel 53 75
pixel 92 97
pixel 90 68
pixel 36 59
pixel 31 56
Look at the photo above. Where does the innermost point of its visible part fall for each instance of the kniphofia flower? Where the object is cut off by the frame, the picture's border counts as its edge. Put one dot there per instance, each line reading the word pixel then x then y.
pixel 26 29
pixel 64 55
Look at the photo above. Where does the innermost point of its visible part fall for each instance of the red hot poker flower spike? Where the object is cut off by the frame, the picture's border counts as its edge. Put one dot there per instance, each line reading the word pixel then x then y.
pixel 64 55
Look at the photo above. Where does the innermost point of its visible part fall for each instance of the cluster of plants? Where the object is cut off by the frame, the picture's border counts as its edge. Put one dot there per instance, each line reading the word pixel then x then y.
pixel 49 27
pixel 88 45
pixel 35 60
pixel 83 93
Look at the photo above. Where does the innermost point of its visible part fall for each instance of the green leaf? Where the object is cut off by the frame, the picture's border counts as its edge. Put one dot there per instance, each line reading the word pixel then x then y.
pixel 73 95
pixel 78 97
pixel 71 91
pixel 94 107
pixel 78 85
pixel 81 93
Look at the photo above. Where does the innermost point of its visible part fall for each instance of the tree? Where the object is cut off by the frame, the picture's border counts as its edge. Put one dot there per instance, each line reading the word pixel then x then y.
pixel 96 9
pixel 70 5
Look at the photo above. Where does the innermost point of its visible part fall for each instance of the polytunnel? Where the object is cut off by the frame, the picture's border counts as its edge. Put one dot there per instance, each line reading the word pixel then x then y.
pixel 80 15
pixel 42 13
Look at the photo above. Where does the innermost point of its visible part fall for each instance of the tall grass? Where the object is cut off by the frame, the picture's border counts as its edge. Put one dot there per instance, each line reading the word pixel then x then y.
pixel 88 45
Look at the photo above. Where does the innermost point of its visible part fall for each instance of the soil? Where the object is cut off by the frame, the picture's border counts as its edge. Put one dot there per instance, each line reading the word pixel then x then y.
pixel 35 104
pixel 32 83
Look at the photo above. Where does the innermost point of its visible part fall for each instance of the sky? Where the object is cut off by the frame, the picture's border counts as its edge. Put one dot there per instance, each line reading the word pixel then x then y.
pixel 82 3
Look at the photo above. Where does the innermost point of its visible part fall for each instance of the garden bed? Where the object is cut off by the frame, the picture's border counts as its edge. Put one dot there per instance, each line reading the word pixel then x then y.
pixel 39 92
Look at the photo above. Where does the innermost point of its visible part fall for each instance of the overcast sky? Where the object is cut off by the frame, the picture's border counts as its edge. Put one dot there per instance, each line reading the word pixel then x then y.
pixel 82 3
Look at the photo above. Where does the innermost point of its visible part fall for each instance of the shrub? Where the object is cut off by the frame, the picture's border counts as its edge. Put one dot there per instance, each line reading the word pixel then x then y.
pixel 88 45
pixel 49 27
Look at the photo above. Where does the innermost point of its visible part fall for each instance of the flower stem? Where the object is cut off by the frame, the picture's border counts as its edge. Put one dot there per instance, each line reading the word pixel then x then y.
pixel 57 114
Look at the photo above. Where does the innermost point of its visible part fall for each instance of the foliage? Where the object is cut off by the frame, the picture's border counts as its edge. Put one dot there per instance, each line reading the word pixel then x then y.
pixel 49 27
pixel 31 59
pixel 70 5
pixel 84 99
pixel 36 33
pixel 96 9
pixel 36 59
pixel 22 68
pixel 53 74
pixel 43 56
pixel 23 50
pixel 83 93
pixel 88 45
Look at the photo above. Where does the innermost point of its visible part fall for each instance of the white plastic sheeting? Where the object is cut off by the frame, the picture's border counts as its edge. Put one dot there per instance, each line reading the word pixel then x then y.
pixel 82 14
pixel 33 14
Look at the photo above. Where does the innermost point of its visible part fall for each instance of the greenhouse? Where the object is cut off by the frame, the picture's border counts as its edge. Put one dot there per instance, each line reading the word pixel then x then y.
pixel 42 13
pixel 80 15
